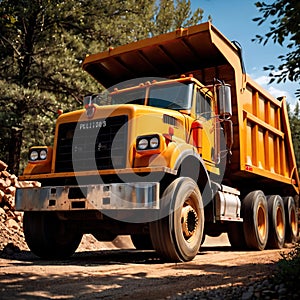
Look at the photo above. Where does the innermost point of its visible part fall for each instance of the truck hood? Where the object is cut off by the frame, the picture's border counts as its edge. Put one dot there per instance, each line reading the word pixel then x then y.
pixel 132 110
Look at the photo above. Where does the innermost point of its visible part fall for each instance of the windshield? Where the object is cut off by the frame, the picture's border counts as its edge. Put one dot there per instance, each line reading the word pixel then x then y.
pixel 177 96
pixel 136 96
pixel 173 96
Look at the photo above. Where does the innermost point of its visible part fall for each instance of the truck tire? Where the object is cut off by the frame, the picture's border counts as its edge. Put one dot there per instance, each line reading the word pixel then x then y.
pixel 276 222
pixel 48 237
pixel 291 220
pixel 254 211
pixel 178 234
pixel 142 241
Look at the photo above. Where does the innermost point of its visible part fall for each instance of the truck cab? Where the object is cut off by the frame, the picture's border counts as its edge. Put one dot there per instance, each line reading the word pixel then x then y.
pixel 195 106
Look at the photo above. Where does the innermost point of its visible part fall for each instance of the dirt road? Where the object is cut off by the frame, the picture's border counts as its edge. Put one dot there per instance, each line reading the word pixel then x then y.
pixel 130 274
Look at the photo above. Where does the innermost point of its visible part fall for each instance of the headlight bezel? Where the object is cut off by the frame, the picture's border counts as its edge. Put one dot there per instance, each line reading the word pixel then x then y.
pixel 148 143
pixel 38 154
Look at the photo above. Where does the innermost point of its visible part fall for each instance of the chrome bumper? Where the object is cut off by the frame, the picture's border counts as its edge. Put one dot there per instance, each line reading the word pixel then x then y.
pixel 117 196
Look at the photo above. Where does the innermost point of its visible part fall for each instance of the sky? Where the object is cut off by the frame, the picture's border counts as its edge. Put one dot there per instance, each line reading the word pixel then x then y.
pixel 234 19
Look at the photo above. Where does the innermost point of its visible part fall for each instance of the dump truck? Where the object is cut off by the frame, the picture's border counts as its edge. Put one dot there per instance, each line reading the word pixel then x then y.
pixel 181 144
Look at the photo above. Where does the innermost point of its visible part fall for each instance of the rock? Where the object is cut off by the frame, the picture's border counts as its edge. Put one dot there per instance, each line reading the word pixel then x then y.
pixel 5 174
pixel 24 184
pixel 12 224
pixel 36 184
pixel 11 190
pixel 17 184
pixel 8 182
pixel 3 184
pixel 282 291
pixel 9 201
pixel 19 218
pixel 3 166
pixel 1 196
pixel 2 213
pixel 14 180
pixel 247 295
pixel 268 293
pixel 10 214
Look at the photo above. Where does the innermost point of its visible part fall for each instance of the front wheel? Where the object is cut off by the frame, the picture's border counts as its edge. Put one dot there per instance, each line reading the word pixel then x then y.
pixel 49 237
pixel 177 236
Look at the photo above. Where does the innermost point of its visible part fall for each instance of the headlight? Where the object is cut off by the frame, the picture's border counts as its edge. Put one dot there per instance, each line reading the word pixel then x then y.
pixel 43 154
pixel 154 143
pixel 34 155
pixel 142 144
pixel 150 142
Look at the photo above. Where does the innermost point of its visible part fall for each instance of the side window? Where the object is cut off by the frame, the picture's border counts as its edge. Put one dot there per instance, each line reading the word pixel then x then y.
pixel 203 106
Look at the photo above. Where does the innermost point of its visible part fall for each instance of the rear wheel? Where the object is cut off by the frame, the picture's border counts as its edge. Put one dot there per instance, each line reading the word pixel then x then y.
pixel 255 214
pixel 291 220
pixel 276 222
pixel 177 236
pixel 49 237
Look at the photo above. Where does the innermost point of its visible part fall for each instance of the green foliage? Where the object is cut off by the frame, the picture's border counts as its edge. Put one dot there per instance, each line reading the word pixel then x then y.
pixel 289 269
pixel 42 46
pixel 295 130
pixel 170 16
pixel 284 16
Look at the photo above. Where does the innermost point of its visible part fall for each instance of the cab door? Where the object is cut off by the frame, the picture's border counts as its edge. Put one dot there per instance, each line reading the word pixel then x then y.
pixel 206 117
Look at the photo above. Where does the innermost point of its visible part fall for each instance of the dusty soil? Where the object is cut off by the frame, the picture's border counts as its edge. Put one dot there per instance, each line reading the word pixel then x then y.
pixel 104 271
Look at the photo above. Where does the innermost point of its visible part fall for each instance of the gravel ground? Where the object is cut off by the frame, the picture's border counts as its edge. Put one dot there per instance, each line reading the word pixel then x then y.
pixel 263 289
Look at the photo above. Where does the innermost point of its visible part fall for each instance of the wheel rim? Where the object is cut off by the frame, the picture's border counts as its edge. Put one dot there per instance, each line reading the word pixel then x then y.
pixel 189 220
pixel 280 228
pixel 261 222
pixel 293 221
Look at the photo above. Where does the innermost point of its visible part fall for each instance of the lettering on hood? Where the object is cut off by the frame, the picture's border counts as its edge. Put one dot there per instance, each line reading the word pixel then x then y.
pixel 92 125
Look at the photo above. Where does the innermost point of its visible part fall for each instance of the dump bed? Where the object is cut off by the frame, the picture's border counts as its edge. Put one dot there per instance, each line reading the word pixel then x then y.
pixel 262 153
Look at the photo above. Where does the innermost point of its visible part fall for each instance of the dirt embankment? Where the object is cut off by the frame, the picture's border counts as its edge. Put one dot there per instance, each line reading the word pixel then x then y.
pixel 11 232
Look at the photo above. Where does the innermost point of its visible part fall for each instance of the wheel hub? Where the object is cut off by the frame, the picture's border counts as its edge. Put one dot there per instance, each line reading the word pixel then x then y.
pixel 189 221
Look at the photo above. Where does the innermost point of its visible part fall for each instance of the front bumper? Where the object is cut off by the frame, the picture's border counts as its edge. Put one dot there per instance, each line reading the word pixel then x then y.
pixel 117 196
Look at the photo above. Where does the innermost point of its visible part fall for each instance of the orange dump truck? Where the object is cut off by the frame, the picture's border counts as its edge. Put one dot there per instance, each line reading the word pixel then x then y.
pixel 181 144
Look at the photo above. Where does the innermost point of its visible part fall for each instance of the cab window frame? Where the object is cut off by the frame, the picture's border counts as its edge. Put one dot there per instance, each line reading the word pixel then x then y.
pixel 203 105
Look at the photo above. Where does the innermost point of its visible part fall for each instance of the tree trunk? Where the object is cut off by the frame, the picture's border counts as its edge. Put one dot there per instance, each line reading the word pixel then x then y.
pixel 15 144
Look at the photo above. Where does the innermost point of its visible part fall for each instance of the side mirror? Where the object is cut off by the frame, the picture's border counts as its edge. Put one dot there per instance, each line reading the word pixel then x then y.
pixel 224 101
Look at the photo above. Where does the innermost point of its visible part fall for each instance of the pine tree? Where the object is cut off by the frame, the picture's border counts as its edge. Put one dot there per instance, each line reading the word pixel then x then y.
pixel 42 46
pixel 170 16
pixel 295 130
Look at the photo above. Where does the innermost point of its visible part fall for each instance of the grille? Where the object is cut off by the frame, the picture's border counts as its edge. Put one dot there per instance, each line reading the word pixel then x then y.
pixel 100 144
